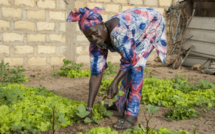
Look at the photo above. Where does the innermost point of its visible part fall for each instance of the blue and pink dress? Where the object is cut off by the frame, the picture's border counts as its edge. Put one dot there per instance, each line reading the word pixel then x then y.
pixel 138 32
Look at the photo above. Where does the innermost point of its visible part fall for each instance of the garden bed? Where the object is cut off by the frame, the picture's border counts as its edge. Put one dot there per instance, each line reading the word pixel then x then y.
pixel 77 89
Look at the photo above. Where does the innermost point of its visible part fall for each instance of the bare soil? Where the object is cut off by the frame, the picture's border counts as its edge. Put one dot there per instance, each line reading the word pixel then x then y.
pixel 77 89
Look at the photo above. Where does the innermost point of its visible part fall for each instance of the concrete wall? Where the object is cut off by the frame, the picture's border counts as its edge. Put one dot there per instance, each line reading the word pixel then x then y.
pixel 34 33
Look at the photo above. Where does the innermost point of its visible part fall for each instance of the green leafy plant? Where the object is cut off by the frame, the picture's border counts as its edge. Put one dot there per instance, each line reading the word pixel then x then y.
pixel 120 93
pixel 205 85
pixel 194 130
pixel 110 70
pixel 7 97
pixel 69 65
pixel 100 130
pixel 11 75
pixel 34 109
pixel 151 110
pixel 162 130
pixel 77 74
pixel 73 70
pixel 182 84
pixel 138 130
pixel 54 73
pixel 181 113
pixel 186 86
pixel 53 115
pixel 104 89
pixel 146 70
pixel 4 71
pixel 81 115
pixel 163 92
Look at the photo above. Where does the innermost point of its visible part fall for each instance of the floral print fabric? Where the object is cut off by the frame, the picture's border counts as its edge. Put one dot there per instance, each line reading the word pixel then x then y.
pixel 138 32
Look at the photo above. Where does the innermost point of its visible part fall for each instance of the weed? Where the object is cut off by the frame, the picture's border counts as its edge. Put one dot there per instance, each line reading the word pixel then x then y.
pixel 111 69
pixel 69 65
pixel 146 70
pixel 54 73
pixel 11 75
pixel 73 70
pixel 194 130
pixel 181 113
pixel 151 110
pixel 186 86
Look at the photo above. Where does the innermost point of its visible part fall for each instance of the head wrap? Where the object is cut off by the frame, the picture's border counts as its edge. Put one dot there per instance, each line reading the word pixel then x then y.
pixel 86 17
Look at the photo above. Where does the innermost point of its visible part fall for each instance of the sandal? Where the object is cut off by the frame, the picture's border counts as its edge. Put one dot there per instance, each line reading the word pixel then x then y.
pixel 120 125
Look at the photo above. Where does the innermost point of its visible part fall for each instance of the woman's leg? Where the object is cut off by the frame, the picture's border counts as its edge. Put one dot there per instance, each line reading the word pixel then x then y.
pixel 130 101
pixel 121 100
pixel 135 92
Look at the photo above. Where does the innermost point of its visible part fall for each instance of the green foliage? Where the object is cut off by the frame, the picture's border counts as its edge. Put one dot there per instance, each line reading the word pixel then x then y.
pixel 162 130
pixel 110 70
pixel 100 130
pixel 146 70
pixel 42 91
pixel 151 109
pixel 54 73
pixel 77 74
pixel 104 89
pixel 7 97
pixel 179 93
pixel 161 92
pixel 81 111
pixel 138 130
pixel 186 86
pixel 120 93
pixel 99 112
pixel 33 109
pixel 194 130
pixel 73 70
pixel 70 65
pixel 11 75
pixel 104 86
pixel 181 113
pixel 205 85
pixel 182 84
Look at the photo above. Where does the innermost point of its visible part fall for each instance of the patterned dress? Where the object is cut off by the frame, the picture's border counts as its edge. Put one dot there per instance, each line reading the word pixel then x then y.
pixel 138 32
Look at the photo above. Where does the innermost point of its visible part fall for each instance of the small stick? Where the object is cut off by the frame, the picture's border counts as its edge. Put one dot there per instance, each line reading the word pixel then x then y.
pixel 179 42
pixel 53 120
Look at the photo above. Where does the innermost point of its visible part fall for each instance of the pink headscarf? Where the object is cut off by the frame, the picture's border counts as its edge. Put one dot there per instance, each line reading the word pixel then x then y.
pixel 86 17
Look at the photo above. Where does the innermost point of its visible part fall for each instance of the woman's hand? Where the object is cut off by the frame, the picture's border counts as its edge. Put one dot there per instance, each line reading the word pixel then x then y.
pixel 113 90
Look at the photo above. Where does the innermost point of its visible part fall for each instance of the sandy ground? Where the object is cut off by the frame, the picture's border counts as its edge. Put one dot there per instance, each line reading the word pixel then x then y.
pixel 77 89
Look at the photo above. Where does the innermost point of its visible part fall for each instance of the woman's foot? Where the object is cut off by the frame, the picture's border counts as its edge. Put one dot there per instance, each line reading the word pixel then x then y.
pixel 125 123
pixel 113 107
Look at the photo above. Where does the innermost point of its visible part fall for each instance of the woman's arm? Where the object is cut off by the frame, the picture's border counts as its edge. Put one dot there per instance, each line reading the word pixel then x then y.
pixel 113 88
pixel 94 84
